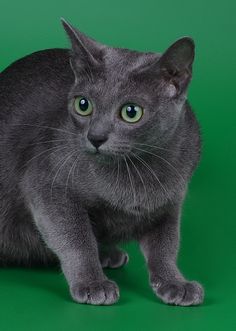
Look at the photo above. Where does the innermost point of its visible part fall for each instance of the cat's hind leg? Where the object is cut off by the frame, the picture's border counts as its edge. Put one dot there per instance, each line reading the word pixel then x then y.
pixel 112 257
pixel 21 244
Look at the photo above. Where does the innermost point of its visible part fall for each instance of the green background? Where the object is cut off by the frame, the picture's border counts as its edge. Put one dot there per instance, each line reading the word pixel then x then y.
pixel 39 299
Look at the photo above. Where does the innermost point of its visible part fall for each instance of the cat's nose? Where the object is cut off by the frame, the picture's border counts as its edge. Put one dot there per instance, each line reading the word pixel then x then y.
pixel 97 140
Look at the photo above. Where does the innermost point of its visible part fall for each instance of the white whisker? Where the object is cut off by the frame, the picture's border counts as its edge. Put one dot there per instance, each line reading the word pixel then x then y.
pixel 130 179
pixel 141 178
pixel 163 159
pixel 154 174
pixel 118 172
pixel 68 156
pixel 161 148
pixel 45 127
pixel 69 173
pixel 49 141
pixel 47 150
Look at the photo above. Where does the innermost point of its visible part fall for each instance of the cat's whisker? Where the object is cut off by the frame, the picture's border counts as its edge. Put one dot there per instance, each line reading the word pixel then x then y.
pixel 130 179
pixel 69 173
pixel 115 185
pixel 47 150
pixel 155 176
pixel 39 143
pixel 73 172
pixel 162 148
pixel 118 172
pixel 141 178
pixel 163 159
pixel 50 154
pixel 50 141
pixel 45 127
pixel 55 149
pixel 68 156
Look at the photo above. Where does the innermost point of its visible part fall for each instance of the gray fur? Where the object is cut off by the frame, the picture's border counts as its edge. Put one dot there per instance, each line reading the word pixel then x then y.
pixel 61 200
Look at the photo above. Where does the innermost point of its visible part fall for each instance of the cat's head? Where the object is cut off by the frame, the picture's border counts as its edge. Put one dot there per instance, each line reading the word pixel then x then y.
pixel 122 97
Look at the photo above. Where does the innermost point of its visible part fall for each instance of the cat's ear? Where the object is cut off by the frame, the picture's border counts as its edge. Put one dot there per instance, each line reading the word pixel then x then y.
pixel 85 50
pixel 176 64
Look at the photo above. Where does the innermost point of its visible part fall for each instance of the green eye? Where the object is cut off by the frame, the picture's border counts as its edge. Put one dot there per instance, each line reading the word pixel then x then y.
pixel 131 113
pixel 83 106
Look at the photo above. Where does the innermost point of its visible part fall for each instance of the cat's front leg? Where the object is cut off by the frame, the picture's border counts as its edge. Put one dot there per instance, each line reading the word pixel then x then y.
pixel 160 248
pixel 66 229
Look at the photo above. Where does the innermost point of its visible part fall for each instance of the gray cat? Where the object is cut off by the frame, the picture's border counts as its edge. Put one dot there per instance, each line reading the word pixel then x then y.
pixel 98 145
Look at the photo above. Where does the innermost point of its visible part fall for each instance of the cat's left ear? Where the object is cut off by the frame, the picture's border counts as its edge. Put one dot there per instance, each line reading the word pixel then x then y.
pixel 176 64
pixel 85 50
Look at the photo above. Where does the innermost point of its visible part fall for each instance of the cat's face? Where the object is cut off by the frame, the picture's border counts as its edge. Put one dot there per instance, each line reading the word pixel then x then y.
pixel 122 98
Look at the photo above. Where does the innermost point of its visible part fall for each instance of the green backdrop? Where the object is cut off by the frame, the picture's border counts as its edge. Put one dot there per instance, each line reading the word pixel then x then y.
pixel 39 299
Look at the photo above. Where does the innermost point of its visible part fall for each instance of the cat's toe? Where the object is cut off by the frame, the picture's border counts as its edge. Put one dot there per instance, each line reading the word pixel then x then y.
pixel 180 293
pixel 104 292
pixel 115 259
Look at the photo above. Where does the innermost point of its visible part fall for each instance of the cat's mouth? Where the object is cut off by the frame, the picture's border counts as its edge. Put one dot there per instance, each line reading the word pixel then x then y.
pixel 100 156
pixel 104 153
pixel 106 150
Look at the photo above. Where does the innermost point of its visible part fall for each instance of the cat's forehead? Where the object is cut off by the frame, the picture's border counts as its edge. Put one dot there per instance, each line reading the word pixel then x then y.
pixel 129 60
pixel 115 74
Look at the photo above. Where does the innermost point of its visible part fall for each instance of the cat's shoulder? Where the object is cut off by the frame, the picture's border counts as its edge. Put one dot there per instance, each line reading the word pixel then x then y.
pixel 44 63
pixel 42 75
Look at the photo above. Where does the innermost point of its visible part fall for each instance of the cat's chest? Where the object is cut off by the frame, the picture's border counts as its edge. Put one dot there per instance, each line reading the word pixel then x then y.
pixel 125 192
pixel 136 200
pixel 132 197
pixel 112 225
pixel 120 207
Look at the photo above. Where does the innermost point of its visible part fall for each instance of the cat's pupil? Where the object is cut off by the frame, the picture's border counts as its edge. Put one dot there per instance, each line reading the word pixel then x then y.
pixel 83 104
pixel 131 111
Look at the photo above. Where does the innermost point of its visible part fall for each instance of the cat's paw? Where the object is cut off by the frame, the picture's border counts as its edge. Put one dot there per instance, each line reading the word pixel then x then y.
pixel 104 292
pixel 179 293
pixel 114 258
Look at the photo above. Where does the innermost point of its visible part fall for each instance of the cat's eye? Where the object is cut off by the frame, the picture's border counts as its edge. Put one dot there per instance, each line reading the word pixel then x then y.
pixel 131 113
pixel 83 106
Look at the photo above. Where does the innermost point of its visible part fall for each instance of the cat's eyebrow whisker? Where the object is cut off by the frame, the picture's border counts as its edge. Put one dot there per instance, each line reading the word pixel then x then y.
pixel 163 159
pixel 154 174
pixel 45 127
pixel 141 178
pixel 67 157
pixel 130 179
pixel 88 74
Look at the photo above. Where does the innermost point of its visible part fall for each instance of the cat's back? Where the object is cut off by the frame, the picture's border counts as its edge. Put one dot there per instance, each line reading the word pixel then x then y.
pixel 45 72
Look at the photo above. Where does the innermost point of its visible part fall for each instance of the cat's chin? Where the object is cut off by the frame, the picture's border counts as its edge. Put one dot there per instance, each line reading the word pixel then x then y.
pixel 101 156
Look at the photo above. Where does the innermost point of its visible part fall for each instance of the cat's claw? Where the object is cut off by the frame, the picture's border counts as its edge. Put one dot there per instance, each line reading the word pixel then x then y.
pixel 104 292
pixel 114 259
pixel 179 293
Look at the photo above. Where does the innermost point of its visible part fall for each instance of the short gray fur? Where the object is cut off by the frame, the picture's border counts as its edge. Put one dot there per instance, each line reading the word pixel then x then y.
pixel 63 200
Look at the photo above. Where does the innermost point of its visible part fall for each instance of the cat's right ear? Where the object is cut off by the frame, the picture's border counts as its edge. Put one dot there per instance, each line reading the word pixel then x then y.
pixel 176 63
pixel 85 50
